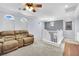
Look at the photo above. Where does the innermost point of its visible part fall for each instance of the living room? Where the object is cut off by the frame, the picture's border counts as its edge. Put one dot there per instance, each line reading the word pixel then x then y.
pixel 26 28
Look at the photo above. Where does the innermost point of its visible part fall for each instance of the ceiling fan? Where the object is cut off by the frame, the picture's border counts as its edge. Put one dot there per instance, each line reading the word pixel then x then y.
pixel 31 6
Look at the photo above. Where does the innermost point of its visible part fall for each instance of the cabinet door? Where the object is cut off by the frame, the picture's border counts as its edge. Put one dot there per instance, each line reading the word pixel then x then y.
pixel 71 49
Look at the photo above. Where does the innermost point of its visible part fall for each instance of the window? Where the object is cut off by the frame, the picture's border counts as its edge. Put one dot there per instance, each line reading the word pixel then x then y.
pixel 68 25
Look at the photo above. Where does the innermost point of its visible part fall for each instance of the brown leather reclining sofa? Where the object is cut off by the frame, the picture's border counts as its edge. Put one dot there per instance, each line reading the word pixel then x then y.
pixel 11 40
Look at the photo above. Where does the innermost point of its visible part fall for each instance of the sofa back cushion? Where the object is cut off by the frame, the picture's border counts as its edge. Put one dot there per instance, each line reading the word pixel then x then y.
pixel 21 31
pixel 6 33
pixel 21 35
pixel 0 34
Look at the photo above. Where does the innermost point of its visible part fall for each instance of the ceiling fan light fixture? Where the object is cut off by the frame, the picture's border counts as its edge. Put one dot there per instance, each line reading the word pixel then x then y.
pixel 31 7
pixel 27 7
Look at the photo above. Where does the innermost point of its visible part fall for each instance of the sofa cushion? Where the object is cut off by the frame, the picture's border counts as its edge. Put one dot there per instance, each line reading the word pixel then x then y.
pixel 10 45
pixel 18 36
pixel 8 38
pixel 1 40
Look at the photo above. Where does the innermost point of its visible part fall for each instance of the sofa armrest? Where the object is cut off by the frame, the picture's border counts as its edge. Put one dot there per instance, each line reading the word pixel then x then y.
pixel 30 35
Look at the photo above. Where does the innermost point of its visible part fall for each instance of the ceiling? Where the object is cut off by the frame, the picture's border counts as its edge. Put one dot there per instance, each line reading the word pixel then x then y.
pixel 48 9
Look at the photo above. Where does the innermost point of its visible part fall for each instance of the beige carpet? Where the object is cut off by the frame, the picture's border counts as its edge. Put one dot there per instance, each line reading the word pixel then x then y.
pixel 38 48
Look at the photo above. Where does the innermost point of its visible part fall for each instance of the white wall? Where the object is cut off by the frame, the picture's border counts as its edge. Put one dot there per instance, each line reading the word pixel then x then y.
pixel 77 23
pixel 16 24
pixel 35 27
pixel 70 34
pixel 74 17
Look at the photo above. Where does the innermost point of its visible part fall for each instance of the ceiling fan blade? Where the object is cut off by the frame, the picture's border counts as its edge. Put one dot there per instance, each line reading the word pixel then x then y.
pixel 34 10
pixel 38 5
